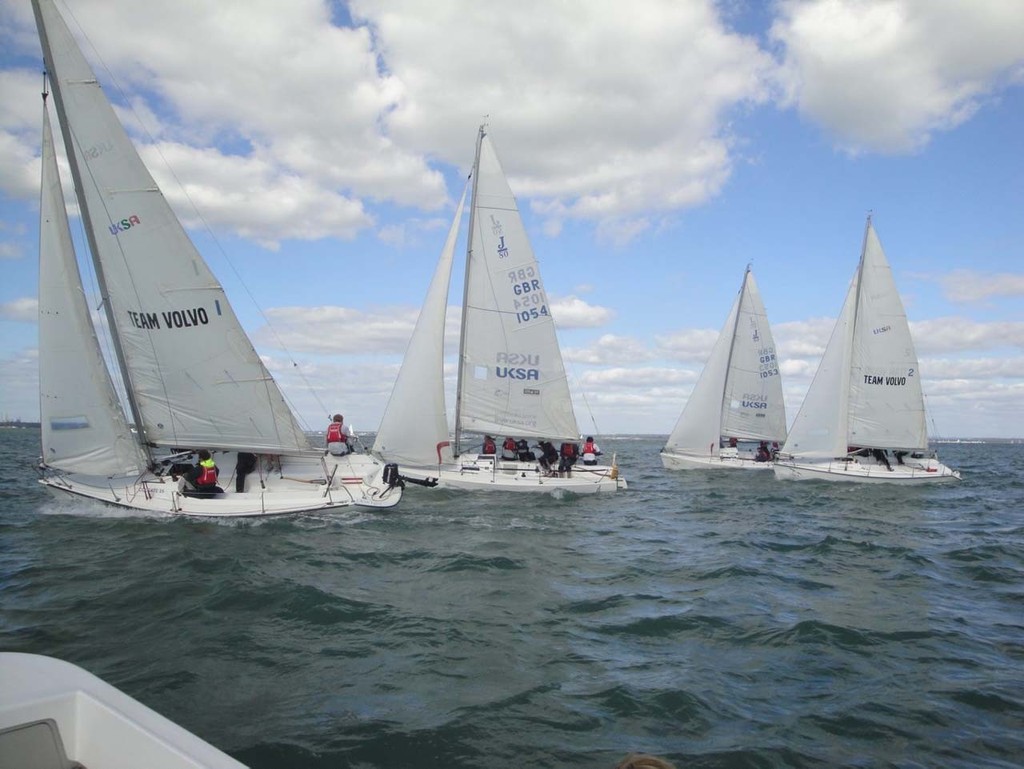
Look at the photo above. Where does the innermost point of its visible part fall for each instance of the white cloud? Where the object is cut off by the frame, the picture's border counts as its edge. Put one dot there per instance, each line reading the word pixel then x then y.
pixel 19 385
pixel 634 121
pixel 329 330
pixel 953 334
pixel 689 345
pixel 609 348
pixel 573 312
pixel 338 330
pixel 885 75
pixel 257 199
pixel 25 310
pixel 968 286
pixel 641 377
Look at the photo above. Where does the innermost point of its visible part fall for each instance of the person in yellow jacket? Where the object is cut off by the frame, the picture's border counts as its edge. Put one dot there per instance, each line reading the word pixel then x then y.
pixel 202 478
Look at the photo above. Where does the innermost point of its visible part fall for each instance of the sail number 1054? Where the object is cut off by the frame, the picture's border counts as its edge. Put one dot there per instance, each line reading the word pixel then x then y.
pixel 530 302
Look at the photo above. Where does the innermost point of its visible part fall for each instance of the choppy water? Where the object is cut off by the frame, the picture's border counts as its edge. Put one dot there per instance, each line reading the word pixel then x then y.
pixel 718 620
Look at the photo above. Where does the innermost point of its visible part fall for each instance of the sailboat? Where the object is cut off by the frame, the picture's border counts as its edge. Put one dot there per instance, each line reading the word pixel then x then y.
pixel 511 378
pixel 191 376
pixel 737 398
pixel 863 418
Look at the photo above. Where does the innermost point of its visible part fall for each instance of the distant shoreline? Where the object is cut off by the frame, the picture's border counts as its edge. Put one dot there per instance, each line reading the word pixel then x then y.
pixel 18 424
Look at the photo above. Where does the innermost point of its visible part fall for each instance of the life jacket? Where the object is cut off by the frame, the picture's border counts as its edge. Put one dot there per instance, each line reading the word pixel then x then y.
pixel 569 450
pixel 207 473
pixel 589 448
pixel 488 446
pixel 509 444
pixel 335 433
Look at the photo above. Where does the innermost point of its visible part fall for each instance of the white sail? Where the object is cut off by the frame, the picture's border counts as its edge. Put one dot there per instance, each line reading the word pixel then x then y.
pixel 83 426
pixel 511 379
pixel 867 389
pixel 194 378
pixel 886 405
pixel 699 428
pixel 739 392
pixel 415 421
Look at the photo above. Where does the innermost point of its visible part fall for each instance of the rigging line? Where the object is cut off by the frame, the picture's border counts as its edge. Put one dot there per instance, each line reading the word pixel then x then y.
pixel 583 394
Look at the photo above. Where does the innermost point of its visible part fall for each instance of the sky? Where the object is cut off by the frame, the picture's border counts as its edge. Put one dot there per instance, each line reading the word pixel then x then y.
pixel 316 151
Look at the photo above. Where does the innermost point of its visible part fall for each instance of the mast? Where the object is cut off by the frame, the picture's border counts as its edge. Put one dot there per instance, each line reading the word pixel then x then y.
pixel 73 152
pixel 852 335
pixel 465 291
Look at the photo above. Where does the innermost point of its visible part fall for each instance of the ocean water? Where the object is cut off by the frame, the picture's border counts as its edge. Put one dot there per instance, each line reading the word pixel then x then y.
pixel 717 620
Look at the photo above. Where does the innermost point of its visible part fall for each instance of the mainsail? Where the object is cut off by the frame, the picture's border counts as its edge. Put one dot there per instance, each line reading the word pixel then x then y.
pixel 193 377
pixel 511 377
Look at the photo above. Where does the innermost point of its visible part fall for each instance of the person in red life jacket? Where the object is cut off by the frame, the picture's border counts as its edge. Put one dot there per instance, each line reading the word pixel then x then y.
pixel 489 447
pixel 591 451
pixel 337 437
pixel 508 449
pixel 763 455
pixel 201 479
pixel 568 454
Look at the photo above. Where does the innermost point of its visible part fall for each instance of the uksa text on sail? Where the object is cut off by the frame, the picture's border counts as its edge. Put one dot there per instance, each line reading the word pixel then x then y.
pixel 170 319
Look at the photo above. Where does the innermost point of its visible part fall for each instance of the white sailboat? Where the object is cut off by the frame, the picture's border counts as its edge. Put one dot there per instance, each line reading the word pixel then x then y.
pixel 192 377
pixel 863 418
pixel 511 380
pixel 737 398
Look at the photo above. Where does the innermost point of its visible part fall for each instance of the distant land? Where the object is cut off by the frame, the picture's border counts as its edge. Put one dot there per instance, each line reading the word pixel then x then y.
pixel 17 423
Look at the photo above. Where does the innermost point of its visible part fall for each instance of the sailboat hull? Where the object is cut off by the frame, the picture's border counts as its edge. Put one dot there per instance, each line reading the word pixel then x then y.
pixel 488 474
pixel 929 471
pixel 285 485
pixel 676 461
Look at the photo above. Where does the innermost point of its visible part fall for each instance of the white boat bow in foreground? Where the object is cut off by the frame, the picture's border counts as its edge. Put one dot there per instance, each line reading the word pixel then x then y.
pixel 55 715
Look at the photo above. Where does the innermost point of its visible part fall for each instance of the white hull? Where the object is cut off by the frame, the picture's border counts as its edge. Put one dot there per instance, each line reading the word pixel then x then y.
pixel 674 461
pixel 920 472
pixel 487 474
pixel 98 725
pixel 310 482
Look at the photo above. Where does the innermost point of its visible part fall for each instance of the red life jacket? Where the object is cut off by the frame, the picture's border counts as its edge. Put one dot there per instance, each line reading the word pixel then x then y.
pixel 589 448
pixel 488 446
pixel 509 444
pixel 335 433
pixel 207 473
pixel 568 450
